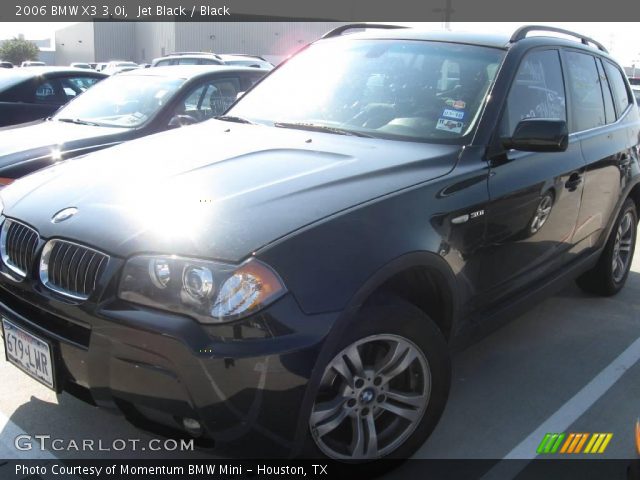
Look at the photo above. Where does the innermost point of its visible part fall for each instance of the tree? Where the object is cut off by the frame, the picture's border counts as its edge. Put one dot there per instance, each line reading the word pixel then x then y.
pixel 17 50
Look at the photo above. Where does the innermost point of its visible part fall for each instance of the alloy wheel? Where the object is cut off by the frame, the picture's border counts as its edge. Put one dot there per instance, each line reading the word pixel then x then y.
pixel 542 213
pixel 621 257
pixel 372 396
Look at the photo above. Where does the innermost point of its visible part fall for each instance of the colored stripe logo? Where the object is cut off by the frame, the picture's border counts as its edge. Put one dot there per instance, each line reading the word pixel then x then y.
pixel 574 443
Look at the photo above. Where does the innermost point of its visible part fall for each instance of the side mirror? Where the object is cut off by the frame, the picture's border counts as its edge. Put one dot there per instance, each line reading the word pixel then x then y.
pixel 178 121
pixel 539 135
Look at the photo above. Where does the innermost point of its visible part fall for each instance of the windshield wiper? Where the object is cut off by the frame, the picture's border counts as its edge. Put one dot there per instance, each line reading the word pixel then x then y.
pixel 311 127
pixel 231 118
pixel 78 121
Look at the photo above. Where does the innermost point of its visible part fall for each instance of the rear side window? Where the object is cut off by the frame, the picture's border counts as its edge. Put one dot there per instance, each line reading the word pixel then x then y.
pixel 618 86
pixel 46 92
pixel 606 94
pixel 586 94
pixel 537 91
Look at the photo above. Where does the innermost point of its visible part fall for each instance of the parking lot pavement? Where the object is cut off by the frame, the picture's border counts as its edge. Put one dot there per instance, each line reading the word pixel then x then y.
pixel 568 365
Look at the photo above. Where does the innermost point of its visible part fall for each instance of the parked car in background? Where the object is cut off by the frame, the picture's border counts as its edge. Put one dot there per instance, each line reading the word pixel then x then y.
pixel 4 64
pixel 32 63
pixel 101 66
pixel 113 68
pixel 636 92
pixel 93 65
pixel 81 65
pixel 634 80
pixel 204 58
pixel 187 58
pixel 246 61
pixel 37 92
pixel 122 107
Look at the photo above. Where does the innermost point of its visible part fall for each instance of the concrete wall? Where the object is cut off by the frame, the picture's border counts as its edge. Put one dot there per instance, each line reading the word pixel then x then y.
pixel 75 43
pixel 114 41
pixel 269 39
pixel 144 41
pixel 154 39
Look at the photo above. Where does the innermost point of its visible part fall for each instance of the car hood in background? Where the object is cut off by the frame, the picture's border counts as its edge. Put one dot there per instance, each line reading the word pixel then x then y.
pixel 20 143
pixel 217 190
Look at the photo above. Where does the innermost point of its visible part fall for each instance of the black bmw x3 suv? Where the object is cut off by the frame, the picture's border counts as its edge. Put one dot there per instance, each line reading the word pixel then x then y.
pixel 295 272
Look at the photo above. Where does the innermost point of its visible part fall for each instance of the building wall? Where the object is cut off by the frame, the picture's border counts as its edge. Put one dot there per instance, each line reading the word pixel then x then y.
pixel 75 43
pixel 269 39
pixel 144 41
pixel 47 56
pixel 154 39
pixel 114 41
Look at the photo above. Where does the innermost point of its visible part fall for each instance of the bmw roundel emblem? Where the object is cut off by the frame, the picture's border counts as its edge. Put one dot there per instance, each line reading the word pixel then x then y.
pixel 64 214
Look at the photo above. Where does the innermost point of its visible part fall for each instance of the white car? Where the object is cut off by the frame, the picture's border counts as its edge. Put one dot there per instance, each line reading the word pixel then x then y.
pixel 119 66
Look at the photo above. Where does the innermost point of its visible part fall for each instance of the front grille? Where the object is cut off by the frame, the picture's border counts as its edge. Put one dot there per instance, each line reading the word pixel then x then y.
pixel 18 244
pixel 70 269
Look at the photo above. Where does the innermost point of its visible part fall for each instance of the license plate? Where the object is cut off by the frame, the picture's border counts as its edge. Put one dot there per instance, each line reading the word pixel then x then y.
pixel 29 353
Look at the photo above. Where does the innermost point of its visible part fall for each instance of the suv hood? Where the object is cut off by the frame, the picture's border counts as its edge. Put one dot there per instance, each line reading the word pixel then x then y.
pixel 216 190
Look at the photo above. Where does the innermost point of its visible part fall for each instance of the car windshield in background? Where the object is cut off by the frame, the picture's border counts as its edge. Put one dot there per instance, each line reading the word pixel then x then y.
pixel 399 89
pixel 121 101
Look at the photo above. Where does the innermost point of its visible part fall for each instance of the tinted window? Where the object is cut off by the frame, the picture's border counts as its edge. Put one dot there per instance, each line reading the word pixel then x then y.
pixel 537 91
pixel 586 95
pixel 211 99
pixel 188 61
pixel 618 86
pixel 163 63
pixel 74 86
pixel 46 92
pixel 606 94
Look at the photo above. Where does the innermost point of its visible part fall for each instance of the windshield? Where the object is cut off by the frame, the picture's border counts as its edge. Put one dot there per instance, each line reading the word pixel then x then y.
pixel 121 101
pixel 412 90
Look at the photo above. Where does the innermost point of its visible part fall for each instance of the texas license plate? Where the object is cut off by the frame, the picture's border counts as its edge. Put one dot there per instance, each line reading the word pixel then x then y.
pixel 29 353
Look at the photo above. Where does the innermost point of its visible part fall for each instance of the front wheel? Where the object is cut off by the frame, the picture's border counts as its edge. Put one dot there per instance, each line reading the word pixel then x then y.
pixel 611 272
pixel 382 394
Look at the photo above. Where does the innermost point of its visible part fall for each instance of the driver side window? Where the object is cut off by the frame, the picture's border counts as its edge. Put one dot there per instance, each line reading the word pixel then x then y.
pixel 210 100
pixel 537 91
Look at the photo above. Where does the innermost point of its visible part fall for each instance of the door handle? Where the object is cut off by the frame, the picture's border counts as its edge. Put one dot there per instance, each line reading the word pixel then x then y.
pixel 574 182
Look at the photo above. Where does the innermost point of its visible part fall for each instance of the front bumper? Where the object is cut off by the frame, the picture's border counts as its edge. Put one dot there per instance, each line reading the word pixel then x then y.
pixel 244 382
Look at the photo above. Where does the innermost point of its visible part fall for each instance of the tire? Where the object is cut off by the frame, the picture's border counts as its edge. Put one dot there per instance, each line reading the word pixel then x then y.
pixel 386 338
pixel 605 279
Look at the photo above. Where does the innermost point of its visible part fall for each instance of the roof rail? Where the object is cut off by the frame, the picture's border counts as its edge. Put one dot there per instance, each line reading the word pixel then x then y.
pixel 522 32
pixel 179 54
pixel 336 32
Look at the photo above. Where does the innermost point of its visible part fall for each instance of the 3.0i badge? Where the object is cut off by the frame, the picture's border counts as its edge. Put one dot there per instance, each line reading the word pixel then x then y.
pixel 64 214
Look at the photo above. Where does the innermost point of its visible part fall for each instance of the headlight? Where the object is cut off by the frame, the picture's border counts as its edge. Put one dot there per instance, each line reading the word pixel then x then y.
pixel 211 292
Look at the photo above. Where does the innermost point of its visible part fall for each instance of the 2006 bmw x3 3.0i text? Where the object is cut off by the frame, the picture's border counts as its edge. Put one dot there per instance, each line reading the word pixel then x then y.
pixel 295 272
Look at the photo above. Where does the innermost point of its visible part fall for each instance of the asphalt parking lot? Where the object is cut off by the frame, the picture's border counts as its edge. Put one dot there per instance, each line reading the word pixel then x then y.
pixel 568 365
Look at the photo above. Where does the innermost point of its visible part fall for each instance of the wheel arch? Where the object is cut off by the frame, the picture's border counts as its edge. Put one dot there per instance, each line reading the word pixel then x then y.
pixel 400 269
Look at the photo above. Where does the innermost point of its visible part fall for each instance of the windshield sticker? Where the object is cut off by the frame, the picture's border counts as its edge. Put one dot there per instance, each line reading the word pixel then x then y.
pixel 459 104
pixel 458 115
pixel 449 125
